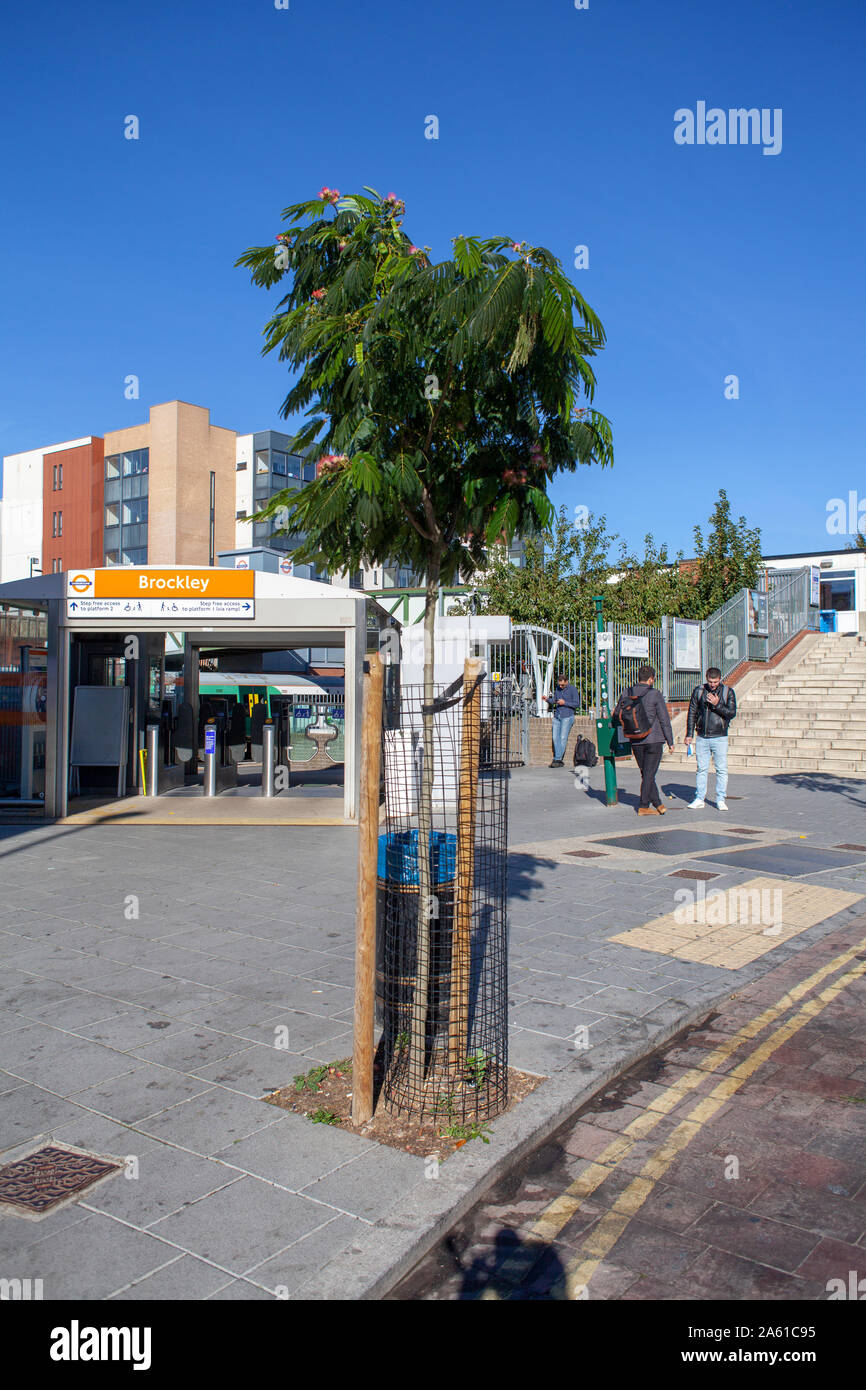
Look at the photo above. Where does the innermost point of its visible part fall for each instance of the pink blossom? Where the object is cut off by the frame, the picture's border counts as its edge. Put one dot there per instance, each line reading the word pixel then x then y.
pixel 318 294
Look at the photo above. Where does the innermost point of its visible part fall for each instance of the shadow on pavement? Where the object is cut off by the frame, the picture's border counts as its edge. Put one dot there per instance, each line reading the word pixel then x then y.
pixel 824 782
pixel 534 1272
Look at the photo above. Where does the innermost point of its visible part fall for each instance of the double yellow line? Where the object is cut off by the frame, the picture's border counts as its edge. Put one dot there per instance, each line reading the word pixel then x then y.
pixel 597 1245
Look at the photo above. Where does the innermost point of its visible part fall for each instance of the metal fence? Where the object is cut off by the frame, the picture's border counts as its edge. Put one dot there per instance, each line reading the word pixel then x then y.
pixel 536 655
pixel 789 607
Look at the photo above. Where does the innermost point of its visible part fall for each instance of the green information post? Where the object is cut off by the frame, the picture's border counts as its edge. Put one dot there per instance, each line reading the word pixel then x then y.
pixel 605 731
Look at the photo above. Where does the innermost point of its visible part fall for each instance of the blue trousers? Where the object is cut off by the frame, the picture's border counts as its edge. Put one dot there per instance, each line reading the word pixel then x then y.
pixel 561 730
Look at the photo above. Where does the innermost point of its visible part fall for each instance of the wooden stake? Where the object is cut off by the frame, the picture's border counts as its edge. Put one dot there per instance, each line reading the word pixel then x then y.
pixel 365 921
pixel 470 749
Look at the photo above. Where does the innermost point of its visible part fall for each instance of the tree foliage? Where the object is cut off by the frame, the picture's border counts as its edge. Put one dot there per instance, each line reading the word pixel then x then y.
pixel 443 397
pixel 570 563
pixel 729 559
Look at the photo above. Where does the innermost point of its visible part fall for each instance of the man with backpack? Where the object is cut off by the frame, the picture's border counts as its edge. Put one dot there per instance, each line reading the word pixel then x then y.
pixel 643 716
pixel 565 702
pixel 711 709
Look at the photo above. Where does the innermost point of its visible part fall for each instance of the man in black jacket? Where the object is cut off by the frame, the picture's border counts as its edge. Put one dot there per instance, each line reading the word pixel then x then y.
pixel 648 750
pixel 711 709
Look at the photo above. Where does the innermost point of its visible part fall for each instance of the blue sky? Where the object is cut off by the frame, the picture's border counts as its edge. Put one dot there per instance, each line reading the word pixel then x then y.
pixel 556 127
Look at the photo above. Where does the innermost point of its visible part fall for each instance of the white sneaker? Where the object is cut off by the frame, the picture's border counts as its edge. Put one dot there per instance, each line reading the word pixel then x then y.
pixel 697 804
pixel 721 805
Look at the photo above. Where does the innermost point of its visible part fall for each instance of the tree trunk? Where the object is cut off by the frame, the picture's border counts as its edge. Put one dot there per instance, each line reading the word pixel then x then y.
pixel 418 1042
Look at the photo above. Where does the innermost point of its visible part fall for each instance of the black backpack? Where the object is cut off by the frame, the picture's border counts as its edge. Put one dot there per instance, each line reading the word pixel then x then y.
pixel 633 718
pixel 584 753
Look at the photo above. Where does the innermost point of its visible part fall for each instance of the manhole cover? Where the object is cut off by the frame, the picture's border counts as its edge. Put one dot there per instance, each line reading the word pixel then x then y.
pixel 670 842
pixel 587 853
pixel 691 873
pixel 41 1180
pixel 792 859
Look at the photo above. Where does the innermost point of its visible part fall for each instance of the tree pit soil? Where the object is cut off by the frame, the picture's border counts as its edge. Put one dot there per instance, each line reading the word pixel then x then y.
pixel 331 1098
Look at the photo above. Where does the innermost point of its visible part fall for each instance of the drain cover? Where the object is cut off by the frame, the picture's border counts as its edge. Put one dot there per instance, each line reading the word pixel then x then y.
pixel 587 853
pixel 691 873
pixel 41 1180
pixel 792 860
pixel 671 842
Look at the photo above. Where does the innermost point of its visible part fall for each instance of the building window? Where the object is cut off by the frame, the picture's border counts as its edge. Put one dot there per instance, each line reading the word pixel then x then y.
pixel 55 477
pixel 239 516
pixel 309 471
pixel 135 511
pixel 60 477
pixel 135 462
pixel 279 463
pixel 240 466
pixel 54 524
pixel 60 523
pixel 112 466
pixel 262 464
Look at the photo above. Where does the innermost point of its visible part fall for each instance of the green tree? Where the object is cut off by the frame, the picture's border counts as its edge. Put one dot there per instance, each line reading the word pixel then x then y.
pixel 443 398
pixel 562 570
pixel 728 560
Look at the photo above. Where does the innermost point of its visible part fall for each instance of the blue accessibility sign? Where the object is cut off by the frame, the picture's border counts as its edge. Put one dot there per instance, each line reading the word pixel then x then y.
pixel 210 739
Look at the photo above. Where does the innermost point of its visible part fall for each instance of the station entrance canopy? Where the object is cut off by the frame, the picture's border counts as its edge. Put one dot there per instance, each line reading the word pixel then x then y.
pixel 99 610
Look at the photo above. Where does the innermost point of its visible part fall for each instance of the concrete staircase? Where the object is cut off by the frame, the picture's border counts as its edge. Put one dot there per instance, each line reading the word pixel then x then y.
pixel 808 714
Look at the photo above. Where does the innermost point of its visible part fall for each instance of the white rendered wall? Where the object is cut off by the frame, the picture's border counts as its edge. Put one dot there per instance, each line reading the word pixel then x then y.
pixel 244 491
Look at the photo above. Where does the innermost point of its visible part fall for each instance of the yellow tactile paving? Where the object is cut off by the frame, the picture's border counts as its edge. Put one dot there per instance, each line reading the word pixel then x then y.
pixel 732 927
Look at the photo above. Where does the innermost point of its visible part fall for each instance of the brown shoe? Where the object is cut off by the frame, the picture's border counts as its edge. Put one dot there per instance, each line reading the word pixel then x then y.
pixel 646 810
pixel 660 811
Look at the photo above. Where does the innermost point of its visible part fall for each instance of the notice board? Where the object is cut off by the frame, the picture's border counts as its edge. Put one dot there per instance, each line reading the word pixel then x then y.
pixel 100 724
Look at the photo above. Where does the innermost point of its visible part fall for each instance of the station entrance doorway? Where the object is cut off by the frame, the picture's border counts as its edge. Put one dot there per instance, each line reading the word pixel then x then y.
pixel 114 713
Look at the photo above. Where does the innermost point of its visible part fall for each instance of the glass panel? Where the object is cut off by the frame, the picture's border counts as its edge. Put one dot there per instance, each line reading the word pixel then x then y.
pixel 23 703
pixel 135 462
pixel 135 485
pixel 112 515
pixel 240 466
pixel 135 557
pixel 279 463
pixel 295 466
pixel 112 491
pixel 112 466
pixel 309 472
pixel 111 538
pixel 262 463
pixel 112 557
pixel 135 511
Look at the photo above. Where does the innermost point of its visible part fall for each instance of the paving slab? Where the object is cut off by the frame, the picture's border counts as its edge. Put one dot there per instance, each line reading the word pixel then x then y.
pixel 275 912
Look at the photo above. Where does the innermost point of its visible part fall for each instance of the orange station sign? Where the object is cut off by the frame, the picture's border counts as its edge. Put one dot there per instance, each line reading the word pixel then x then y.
pixel 154 593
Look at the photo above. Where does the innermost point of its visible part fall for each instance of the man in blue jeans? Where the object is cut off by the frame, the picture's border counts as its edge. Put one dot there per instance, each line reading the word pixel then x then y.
pixel 711 709
pixel 565 702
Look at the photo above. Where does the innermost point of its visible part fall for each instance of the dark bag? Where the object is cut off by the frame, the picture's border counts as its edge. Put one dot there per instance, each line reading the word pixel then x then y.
pixel 584 753
pixel 633 718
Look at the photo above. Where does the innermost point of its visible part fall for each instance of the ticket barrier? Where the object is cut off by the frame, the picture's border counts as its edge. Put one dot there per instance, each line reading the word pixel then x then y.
pixel 161 772
pixel 276 767
pixel 220 769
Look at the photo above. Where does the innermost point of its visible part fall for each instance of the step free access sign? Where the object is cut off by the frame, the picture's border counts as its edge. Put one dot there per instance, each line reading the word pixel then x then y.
pixel 160 593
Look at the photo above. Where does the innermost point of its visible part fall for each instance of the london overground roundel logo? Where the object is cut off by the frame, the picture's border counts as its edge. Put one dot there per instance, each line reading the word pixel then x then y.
pixel 81 583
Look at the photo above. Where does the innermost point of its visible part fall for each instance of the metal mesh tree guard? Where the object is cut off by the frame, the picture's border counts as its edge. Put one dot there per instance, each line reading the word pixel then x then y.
pixel 441 921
